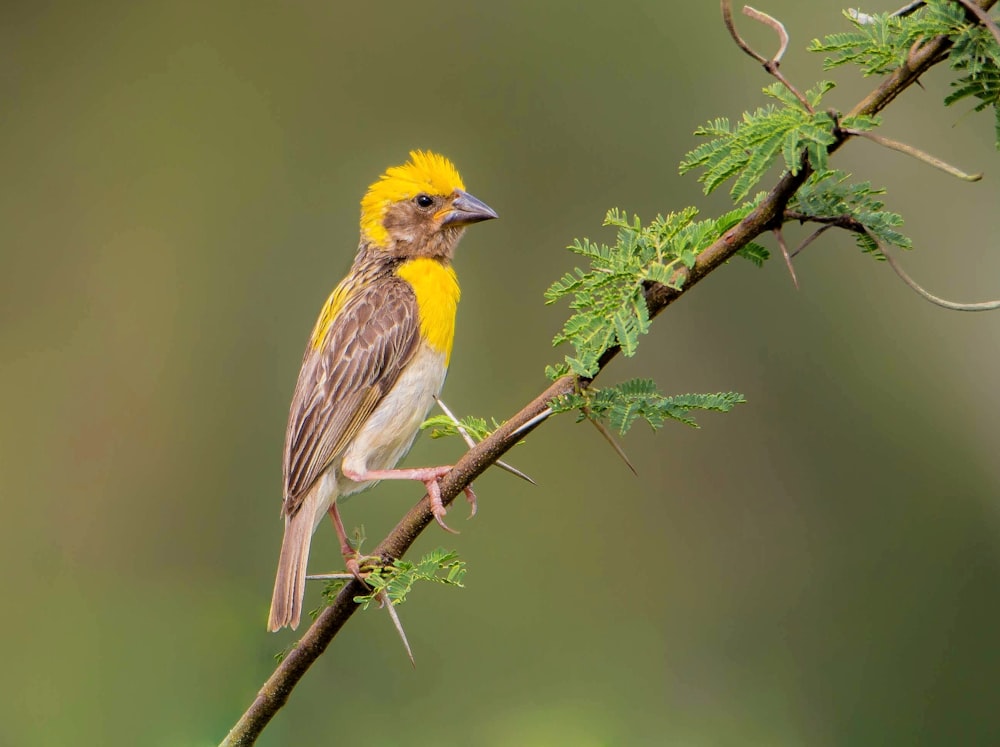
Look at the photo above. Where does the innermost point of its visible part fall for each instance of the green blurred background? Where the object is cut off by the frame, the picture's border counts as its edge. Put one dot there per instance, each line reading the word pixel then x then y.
pixel 180 191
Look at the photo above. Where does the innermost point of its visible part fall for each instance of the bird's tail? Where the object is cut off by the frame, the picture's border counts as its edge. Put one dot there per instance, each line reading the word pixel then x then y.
pixel 290 582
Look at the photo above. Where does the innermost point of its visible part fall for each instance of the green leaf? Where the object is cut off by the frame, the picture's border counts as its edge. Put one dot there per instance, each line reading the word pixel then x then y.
pixel 747 151
pixel 756 253
pixel 879 43
pixel 828 194
pixel 397 580
pixel 639 399
pixel 441 426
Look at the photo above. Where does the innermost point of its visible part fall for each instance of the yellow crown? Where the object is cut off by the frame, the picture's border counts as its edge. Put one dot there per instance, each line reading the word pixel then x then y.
pixel 425 172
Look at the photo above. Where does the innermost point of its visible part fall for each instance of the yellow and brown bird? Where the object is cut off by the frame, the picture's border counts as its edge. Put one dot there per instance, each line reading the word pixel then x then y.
pixel 375 362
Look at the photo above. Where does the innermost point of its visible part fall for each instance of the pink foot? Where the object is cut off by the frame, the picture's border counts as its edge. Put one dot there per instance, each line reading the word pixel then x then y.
pixel 429 476
pixel 349 553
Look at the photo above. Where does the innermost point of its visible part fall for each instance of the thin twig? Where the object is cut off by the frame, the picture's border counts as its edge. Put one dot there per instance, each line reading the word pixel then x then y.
pixel 846 221
pixel 910 8
pixel 983 16
pixel 936 300
pixel 810 239
pixel 727 18
pixel 915 153
pixel 851 224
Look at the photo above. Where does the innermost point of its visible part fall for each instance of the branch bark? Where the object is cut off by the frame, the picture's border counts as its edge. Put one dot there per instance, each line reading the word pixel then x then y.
pixel 770 214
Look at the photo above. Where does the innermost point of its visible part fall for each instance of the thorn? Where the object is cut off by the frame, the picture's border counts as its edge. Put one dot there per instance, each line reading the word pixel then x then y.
pixel 540 417
pixel 514 471
pixel 384 601
pixel 602 429
pixel 471 442
pixel 811 238
pixel 784 252
pixel 330 576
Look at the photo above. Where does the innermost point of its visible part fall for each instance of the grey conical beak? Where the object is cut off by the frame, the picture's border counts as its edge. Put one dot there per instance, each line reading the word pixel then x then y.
pixel 466 209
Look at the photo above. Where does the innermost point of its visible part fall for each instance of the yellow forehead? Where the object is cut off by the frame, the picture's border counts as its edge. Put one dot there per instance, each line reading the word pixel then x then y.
pixel 425 172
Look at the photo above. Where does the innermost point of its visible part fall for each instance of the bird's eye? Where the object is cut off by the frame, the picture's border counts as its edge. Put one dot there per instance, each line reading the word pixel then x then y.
pixel 424 201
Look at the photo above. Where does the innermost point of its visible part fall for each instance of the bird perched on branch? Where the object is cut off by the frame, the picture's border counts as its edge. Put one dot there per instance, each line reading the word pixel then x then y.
pixel 376 360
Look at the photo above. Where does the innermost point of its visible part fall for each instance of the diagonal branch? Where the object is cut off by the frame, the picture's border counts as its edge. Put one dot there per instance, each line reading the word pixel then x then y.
pixel 766 216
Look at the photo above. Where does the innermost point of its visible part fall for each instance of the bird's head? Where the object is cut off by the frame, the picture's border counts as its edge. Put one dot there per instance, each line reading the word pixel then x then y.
pixel 420 209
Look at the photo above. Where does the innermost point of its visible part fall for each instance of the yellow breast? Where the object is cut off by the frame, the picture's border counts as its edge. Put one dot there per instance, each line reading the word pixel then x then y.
pixel 437 298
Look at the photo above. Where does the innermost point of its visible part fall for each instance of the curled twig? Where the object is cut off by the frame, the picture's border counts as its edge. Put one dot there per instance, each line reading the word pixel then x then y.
pixel 727 17
pixel 774 23
pixel 848 223
pixel 915 153
pixel 936 300
pixel 771 65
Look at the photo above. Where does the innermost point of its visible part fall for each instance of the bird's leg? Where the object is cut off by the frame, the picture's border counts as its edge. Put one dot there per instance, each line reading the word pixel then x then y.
pixel 429 476
pixel 349 553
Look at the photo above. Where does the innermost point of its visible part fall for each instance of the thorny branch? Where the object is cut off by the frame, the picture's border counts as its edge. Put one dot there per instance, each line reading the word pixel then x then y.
pixel 766 216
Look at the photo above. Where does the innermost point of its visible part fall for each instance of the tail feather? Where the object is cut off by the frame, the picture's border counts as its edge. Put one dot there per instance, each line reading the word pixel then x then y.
pixel 290 582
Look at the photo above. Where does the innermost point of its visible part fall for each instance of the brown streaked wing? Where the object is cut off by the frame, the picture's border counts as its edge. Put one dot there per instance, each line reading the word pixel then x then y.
pixel 369 343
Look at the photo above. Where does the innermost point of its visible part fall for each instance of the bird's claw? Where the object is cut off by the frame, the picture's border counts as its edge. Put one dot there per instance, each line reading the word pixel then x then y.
pixel 470 496
pixel 438 508
pixel 354 567
pixel 437 505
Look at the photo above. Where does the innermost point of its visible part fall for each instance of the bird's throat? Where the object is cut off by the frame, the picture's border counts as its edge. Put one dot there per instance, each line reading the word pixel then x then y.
pixel 436 287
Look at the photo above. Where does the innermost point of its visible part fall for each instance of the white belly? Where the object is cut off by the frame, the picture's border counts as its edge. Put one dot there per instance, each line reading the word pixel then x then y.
pixel 390 430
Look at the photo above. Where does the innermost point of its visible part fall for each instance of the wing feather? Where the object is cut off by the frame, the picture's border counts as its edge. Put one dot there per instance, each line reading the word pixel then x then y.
pixel 372 338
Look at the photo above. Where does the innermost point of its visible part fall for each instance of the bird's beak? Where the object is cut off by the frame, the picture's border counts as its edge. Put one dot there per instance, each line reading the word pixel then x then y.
pixel 466 209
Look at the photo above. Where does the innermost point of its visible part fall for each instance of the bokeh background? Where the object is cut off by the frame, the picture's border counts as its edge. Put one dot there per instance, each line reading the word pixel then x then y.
pixel 180 191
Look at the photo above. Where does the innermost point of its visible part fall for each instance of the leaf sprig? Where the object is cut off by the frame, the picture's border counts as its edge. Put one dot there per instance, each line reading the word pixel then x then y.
pixel 881 42
pixel 640 399
pixel 442 426
pixel 397 580
pixel 789 132
pixel 609 305
pixel 827 194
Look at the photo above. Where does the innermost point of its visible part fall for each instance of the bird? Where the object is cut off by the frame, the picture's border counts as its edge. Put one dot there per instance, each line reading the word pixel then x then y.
pixel 375 362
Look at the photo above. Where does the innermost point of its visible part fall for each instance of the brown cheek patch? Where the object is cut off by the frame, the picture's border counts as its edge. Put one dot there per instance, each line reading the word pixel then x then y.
pixel 405 218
